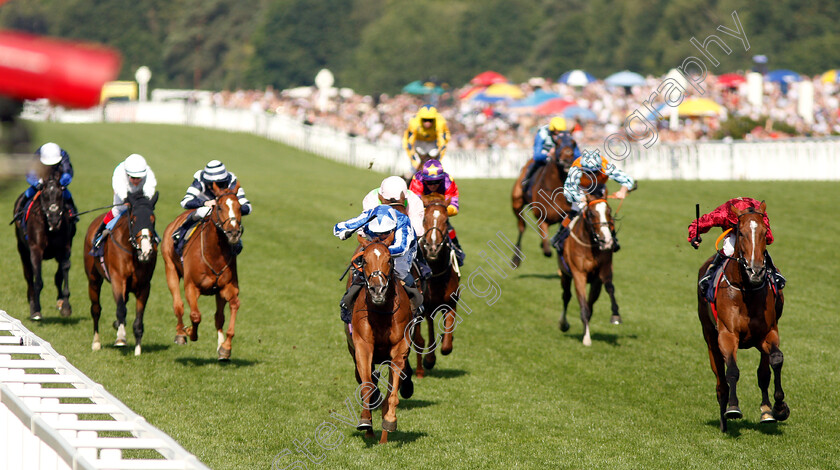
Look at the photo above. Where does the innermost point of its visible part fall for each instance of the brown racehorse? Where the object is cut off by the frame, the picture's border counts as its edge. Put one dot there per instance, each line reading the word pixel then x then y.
pixel 547 201
pixel 587 257
pixel 128 263
pixel 46 234
pixel 381 314
pixel 748 310
pixel 438 294
pixel 208 267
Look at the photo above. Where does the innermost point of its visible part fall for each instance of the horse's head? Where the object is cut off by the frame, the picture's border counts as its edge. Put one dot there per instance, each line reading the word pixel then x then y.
pixel 141 224
pixel 434 223
pixel 598 218
pixel 377 266
pixel 52 203
pixel 227 213
pixel 564 149
pixel 750 241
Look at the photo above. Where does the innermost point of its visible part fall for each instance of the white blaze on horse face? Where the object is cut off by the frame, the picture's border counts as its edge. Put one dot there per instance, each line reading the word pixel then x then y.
pixel 377 253
pixel 435 214
pixel 601 209
pixel 231 215
pixel 753 227
pixel 145 241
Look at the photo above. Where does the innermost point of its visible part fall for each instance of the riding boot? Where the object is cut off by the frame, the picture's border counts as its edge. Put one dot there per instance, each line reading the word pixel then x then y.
pixel 98 237
pixel 350 297
pixel 422 265
pixel 532 170
pixel 779 280
pixel 616 246
pixel 236 248
pixel 563 232
pixel 416 298
pixel 710 272
pixel 459 252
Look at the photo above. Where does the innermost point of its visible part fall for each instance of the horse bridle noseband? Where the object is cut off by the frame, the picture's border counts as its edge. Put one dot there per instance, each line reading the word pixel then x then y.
pixel 592 230
pixel 741 260
pixel 444 239
pixel 376 273
pixel 220 224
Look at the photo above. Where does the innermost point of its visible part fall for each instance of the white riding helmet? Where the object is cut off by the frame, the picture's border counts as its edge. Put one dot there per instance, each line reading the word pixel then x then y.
pixel 383 224
pixel 392 187
pixel 135 166
pixel 50 153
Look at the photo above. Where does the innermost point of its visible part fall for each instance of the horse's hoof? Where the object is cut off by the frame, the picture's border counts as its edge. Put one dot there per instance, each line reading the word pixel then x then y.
pixel 35 316
pixel 364 425
pixel 587 341
pixel 781 411
pixel 733 412
pixel 564 325
pixel 64 308
pixel 767 415
pixel 137 350
pixel 180 339
pixel 120 343
pixel 516 261
pixel 547 254
pixel 224 354
pixel 429 361
pixel 389 426
pixel 96 346
pixel 192 333
pixel 407 388
pixel 615 319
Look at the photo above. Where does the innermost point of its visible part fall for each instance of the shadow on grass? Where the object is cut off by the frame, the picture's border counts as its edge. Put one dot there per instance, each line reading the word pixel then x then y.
pixel 397 438
pixel 206 361
pixel 410 404
pixel 735 426
pixel 607 338
pixel 540 276
pixel 128 350
pixel 59 320
pixel 445 373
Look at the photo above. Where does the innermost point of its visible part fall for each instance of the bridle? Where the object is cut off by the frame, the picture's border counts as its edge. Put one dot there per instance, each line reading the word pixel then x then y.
pixel 432 253
pixel 220 223
pixel 52 203
pixel 741 259
pixel 359 263
pixel 595 226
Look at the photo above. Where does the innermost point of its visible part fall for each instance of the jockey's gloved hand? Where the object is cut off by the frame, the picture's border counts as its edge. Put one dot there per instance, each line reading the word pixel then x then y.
pixel 202 212
pixel 33 180
pixel 345 235
pixel 210 203
pixel 695 242
pixel 434 152
pixel 65 179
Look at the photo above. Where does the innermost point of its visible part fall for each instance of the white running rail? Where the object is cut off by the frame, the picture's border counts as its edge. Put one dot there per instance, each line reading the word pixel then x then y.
pixel 44 423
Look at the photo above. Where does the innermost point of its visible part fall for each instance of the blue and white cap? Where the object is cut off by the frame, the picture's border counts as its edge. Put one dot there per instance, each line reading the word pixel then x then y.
pixel 383 223
pixel 215 171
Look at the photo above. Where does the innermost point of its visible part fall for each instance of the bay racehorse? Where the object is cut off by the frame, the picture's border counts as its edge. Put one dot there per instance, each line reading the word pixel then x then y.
pixel 546 199
pixel 45 231
pixel 208 267
pixel 381 314
pixel 587 258
pixel 744 315
pixel 439 294
pixel 128 260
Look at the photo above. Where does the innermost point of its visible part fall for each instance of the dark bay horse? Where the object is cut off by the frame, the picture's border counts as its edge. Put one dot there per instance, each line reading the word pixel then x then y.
pixel 46 232
pixel 587 258
pixel 208 267
pixel 128 263
pixel 547 201
pixel 438 295
pixel 745 317
pixel 380 317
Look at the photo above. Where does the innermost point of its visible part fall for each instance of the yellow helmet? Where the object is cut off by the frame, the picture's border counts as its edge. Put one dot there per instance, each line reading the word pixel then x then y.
pixel 557 124
pixel 427 112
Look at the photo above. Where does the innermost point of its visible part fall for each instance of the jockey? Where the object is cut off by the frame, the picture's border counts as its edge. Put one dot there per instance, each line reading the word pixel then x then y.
pixel 57 162
pixel 131 176
pixel 427 130
pixel 589 174
pixel 432 179
pixel 394 192
pixel 377 224
pixel 200 197
pixel 545 144
pixel 723 217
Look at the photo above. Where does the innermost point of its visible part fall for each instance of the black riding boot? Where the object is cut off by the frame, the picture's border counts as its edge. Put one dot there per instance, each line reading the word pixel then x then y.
pixel 349 297
pixel 777 276
pixel 98 238
pixel 414 296
pixel 532 170
pixel 710 272
pixel 563 232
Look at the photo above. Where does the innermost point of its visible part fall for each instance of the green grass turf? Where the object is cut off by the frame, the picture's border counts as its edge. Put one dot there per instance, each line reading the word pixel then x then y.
pixel 516 392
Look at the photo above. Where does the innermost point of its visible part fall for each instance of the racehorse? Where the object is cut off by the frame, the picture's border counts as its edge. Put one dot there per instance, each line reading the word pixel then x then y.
pixel 46 231
pixel 744 315
pixel 587 257
pixel 546 199
pixel 381 314
pixel 208 267
pixel 128 262
pixel 444 282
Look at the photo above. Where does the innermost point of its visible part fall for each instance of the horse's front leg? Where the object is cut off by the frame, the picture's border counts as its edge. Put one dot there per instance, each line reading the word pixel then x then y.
pixel 728 343
pixel 566 284
pixel 35 260
pixel 94 290
pixel 62 286
pixel 546 246
pixel 191 292
pixel 142 297
pixel 420 344
pixel 367 389
pixel 229 293
pixel 389 412
pixel 585 314
pixel 771 344
pixel 118 287
pixel 594 293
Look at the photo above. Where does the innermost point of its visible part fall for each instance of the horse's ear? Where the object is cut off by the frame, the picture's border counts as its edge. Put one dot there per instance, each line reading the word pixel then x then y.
pixel 236 188
pixel 763 207
pixel 389 239
pixel 363 241
pixel 155 198
pixel 735 210
pixel 448 202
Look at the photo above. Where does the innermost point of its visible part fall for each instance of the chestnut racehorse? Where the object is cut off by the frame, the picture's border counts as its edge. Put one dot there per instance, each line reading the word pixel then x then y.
pixel 587 257
pixel 128 263
pixel 208 267
pixel 46 233
pixel 547 201
pixel 443 284
pixel 381 314
pixel 746 312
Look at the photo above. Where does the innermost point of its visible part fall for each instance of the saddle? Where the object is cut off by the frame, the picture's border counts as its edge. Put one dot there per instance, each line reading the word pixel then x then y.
pixel 711 293
pixel 180 242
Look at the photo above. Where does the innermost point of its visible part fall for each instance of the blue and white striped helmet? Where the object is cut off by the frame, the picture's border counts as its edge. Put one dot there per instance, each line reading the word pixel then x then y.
pixel 383 223
pixel 215 171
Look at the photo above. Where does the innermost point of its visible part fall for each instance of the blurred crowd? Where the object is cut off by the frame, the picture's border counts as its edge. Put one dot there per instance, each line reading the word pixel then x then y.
pixel 480 125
